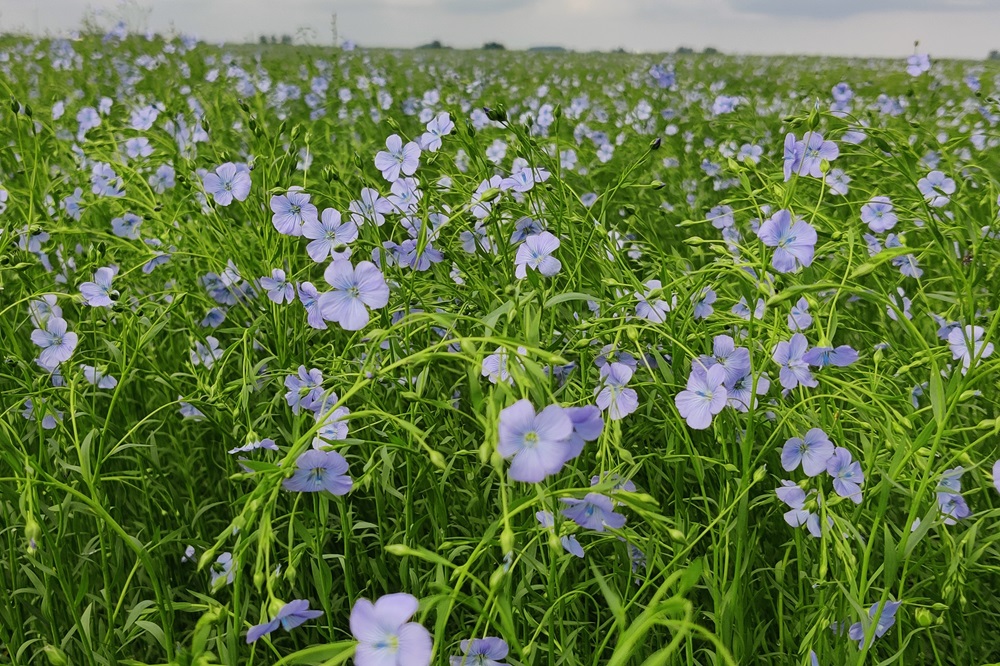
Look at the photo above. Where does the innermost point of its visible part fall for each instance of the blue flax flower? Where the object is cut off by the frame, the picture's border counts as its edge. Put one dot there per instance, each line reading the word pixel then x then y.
pixel 821 357
pixel 795 241
pixel 291 211
pixel 481 652
pixel 812 451
pixel 56 342
pixel 385 635
pixel 614 396
pixel 290 616
pixel 538 443
pixel 593 512
pixel 98 294
pixel 228 182
pixel 794 370
pixel 886 619
pixel 355 289
pixel 704 397
pixel 846 473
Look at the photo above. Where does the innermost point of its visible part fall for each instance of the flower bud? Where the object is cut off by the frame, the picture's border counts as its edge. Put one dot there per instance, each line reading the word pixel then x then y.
pixel 496 578
pixel 206 558
pixel 56 656
pixel 490 194
pixel 507 540
pixel 33 532
pixel 497 114
pixel 274 607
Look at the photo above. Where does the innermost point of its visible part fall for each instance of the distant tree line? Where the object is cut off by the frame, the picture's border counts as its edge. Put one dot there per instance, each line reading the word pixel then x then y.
pixel 994 55
pixel 274 39
pixel 488 46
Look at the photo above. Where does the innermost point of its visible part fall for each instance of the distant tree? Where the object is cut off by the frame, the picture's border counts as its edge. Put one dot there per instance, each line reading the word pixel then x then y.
pixel 994 55
pixel 286 39
pixel 684 50
pixel 619 50
pixel 274 39
pixel 710 50
pixel 263 39
pixel 493 46
pixel 436 44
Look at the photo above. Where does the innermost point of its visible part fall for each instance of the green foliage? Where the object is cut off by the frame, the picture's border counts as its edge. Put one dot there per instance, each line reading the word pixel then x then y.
pixel 96 511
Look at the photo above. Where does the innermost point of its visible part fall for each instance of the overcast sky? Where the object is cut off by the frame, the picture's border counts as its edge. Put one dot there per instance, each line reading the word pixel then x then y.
pixel 945 28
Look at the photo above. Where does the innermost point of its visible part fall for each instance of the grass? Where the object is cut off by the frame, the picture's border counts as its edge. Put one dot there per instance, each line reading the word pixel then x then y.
pixel 99 509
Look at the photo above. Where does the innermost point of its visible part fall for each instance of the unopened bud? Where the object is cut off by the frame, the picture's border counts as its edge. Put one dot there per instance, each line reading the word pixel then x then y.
pixel 507 540
pixel 56 656
pixel 490 194
pixel 497 114
pixel 655 143
pixel 206 558
pixel 275 607
pixel 33 532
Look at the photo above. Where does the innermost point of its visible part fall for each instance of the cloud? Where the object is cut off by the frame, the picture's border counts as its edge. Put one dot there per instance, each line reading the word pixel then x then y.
pixel 823 9
pixel 485 6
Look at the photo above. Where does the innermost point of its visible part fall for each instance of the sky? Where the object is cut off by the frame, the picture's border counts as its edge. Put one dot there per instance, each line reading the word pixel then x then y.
pixel 944 28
